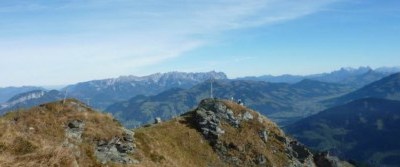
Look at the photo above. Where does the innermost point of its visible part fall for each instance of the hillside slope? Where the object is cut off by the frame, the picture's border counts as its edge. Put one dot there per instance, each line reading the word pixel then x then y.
pixel 57 134
pixel 386 88
pixel 221 133
pixel 217 133
pixel 365 130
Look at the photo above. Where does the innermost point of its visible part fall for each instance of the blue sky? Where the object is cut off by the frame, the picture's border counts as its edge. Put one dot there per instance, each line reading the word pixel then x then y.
pixel 67 41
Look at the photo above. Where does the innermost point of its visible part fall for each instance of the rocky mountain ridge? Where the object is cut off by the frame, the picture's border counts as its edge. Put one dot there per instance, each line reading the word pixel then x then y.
pixel 355 77
pixel 217 133
pixel 63 133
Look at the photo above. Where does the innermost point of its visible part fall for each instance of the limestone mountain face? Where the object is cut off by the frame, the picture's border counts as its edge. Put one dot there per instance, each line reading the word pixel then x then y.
pixel 30 99
pixel 216 133
pixel 9 92
pixel 103 93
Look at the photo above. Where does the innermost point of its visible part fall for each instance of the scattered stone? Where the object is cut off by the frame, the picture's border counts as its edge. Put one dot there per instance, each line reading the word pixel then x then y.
pixel 157 120
pixel 260 160
pixel 230 114
pixel 219 131
pixel 260 118
pixel 115 150
pixel 236 161
pixel 264 135
pixel 128 135
pixel 75 129
pixel 76 124
pixel 299 151
pixel 247 116
pixel 77 106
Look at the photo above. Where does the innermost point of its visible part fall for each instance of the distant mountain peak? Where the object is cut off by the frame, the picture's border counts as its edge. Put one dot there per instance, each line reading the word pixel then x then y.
pixel 156 77
pixel 9 92
pixel 29 99
pixel 352 69
pixel 354 77
pixel 35 94
pixel 105 92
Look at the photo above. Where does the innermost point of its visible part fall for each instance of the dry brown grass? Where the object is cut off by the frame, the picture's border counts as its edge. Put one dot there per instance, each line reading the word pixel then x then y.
pixel 174 143
pixel 35 137
pixel 178 143
pixel 246 139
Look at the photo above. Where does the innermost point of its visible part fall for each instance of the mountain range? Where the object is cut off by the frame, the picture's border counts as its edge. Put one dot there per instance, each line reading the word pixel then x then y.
pixel 102 93
pixel 355 77
pixel 362 125
pixel 365 130
pixel 282 102
pixel 9 92
pixel 353 116
pixel 387 88
pixel 29 99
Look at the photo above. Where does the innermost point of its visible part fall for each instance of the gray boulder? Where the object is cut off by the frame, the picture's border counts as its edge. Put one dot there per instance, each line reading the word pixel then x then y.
pixel 75 129
pixel 247 116
pixel 115 150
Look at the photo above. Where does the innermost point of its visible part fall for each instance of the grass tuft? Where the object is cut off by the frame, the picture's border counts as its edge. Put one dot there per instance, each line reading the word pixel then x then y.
pixel 22 146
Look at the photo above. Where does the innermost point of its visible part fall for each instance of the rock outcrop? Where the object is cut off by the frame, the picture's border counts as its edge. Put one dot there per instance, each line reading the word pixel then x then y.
pixel 222 123
pixel 75 129
pixel 116 150
pixel 325 160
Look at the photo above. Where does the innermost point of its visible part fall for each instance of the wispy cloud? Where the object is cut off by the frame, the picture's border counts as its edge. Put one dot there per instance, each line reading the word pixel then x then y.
pixel 123 35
